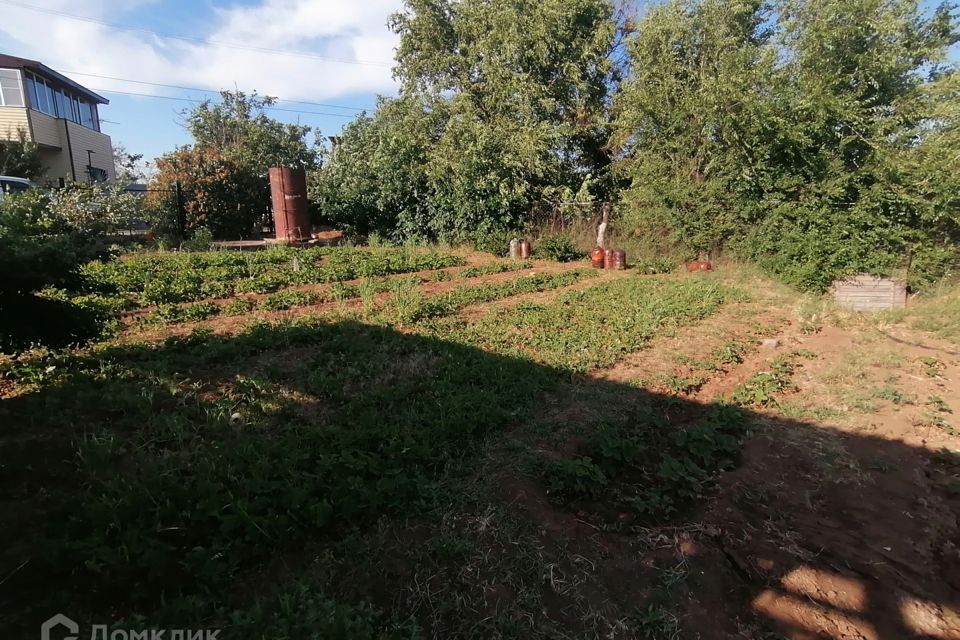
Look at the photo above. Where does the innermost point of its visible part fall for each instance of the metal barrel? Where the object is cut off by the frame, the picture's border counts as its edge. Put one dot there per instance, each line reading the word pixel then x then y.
pixel 291 212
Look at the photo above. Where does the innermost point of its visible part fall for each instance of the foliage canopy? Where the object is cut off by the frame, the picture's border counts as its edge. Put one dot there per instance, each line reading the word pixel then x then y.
pixel 501 105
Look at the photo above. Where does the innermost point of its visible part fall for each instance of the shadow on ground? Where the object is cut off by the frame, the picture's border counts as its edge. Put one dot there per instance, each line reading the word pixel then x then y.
pixel 349 480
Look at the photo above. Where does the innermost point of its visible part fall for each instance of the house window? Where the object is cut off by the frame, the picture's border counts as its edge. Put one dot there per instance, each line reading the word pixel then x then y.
pixel 59 103
pixel 86 115
pixel 40 95
pixel 11 91
pixel 64 107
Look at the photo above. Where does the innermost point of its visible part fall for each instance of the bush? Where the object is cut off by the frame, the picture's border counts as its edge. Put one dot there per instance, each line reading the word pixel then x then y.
pixel 220 194
pixel 201 240
pixel 931 263
pixel 495 242
pixel 559 247
pixel 41 247
pixel 654 266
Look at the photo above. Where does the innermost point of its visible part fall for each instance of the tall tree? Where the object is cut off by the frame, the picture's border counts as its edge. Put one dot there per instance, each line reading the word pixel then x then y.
pixel 515 93
pixel 782 130
pixel 239 127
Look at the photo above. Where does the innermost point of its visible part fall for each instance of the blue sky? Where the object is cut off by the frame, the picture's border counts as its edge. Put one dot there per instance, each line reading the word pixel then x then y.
pixel 335 52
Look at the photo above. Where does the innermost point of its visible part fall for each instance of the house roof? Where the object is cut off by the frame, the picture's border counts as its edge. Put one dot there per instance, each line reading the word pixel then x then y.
pixel 13 62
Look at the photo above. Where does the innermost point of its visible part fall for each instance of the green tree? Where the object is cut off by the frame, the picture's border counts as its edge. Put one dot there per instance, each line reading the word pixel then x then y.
pixel 239 127
pixel 502 104
pixel 20 158
pixel 689 116
pixel 786 131
pixel 375 180
pixel 223 175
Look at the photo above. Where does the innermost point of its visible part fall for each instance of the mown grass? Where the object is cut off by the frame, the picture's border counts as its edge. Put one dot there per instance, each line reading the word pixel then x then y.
pixel 234 481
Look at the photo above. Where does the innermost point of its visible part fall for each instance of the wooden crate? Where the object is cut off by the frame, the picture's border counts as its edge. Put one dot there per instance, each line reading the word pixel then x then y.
pixel 869 293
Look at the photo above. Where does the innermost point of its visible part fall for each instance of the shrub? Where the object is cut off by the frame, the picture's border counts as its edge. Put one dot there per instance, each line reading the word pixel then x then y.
pixel 495 242
pixel 201 240
pixel 41 248
pixel 559 247
pixel 654 266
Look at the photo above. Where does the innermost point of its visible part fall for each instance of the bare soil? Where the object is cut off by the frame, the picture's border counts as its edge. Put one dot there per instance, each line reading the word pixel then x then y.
pixel 840 522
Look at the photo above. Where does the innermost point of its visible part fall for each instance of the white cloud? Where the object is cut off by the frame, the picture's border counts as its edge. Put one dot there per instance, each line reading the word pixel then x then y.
pixel 343 29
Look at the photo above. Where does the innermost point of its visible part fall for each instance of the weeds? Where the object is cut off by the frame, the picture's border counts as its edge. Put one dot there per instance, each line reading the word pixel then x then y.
pixel 764 387
pixel 654 266
pixel 894 395
pixel 172 278
pixel 450 302
pixel 683 385
pixel 595 327
pixel 494 268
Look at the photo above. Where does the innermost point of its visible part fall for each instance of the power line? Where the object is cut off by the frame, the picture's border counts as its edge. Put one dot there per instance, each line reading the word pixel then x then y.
pixel 176 86
pixel 218 43
pixel 150 95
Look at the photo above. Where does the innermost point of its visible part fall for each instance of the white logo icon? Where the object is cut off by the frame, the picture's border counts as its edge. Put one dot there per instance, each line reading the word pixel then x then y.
pixel 59 620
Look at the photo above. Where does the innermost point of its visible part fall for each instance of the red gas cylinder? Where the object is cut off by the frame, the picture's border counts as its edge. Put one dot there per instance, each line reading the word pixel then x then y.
pixel 608 259
pixel 700 265
pixel 524 249
pixel 619 259
pixel 597 258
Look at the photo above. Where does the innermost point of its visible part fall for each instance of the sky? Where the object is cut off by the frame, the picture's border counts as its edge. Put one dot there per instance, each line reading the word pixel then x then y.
pixel 324 59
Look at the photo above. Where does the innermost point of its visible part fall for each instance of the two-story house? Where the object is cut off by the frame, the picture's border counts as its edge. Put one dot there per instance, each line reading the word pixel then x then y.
pixel 59 115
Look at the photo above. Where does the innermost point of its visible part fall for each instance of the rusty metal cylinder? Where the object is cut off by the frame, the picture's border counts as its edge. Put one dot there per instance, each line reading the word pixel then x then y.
pixel 291 211
pixel 597 258
pixel 615 259
pixel 524 249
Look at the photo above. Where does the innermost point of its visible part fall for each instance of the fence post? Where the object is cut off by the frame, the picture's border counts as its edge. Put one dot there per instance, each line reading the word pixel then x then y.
pixel 181 212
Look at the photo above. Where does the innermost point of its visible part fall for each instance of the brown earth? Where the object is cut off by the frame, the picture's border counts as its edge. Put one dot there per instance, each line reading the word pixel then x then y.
pixel 839 523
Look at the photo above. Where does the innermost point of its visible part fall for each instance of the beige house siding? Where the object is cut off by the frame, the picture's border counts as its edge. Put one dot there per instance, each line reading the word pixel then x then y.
pixel 60 141
pixel 83 140
pixel 57 165
pixel 11 120
pixel 46 131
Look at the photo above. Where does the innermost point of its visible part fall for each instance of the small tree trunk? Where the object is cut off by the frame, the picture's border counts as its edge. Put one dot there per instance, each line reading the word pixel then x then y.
pixel 602 229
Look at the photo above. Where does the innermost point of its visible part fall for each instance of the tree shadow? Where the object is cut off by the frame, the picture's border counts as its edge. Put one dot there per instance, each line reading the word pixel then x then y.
pixel 168 482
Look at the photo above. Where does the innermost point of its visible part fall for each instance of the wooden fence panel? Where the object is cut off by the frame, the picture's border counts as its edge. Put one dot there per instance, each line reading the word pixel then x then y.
pixel 869 293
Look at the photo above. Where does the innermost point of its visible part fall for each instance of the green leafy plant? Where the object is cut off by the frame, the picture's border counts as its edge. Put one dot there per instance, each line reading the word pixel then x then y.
pixel 558 247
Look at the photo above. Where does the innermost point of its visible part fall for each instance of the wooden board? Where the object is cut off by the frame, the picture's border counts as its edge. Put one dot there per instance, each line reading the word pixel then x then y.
pixel 869 293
